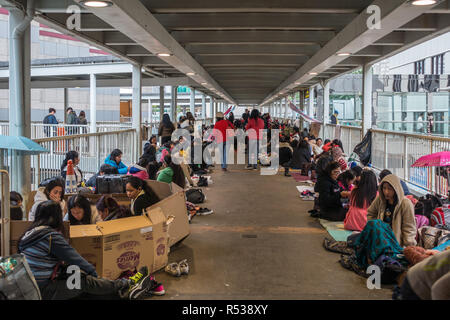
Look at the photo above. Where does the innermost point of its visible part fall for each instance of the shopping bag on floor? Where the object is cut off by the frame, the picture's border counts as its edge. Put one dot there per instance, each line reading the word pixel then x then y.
pixel 16 279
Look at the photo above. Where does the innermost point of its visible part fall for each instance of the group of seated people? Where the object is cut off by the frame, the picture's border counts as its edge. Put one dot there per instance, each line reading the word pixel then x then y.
pixel 382 215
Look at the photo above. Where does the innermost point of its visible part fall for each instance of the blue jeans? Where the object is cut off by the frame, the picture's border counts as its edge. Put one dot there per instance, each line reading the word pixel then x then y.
pixel 224 155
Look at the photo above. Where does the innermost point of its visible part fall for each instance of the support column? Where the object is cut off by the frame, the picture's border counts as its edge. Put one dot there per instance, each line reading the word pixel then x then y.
pixel 192 102
pixel 211 108
pixel 137 108
pixel 19 96
pixel 203 106
pixel 66 103
pixel 173 103
pixel 367 99
pixel 161 103
pixel 93 102
pixel 326 106
pixel 149 111
pixel 311 102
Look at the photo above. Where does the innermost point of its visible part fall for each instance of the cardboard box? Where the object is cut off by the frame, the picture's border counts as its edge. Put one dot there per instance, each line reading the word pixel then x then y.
pixel 172 203
pixel 125 244
pixel 18 228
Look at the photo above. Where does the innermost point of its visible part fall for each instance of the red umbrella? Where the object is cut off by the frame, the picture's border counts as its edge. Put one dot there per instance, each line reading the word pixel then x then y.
pixel 439 159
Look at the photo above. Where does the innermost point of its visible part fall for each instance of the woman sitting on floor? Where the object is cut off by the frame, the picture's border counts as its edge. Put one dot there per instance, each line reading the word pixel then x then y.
pixel 360 199
pixel 391 226
pixel 330 194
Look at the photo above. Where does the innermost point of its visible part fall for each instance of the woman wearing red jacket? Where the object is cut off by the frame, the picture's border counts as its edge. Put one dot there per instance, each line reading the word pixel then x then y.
pixel 256 123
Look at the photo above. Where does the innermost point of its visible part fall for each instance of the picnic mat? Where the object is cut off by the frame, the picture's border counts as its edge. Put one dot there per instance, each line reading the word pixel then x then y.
pixel 298 176
pixel 336 229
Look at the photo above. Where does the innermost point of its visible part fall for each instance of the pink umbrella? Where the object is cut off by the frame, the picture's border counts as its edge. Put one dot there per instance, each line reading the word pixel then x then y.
pixel 439 159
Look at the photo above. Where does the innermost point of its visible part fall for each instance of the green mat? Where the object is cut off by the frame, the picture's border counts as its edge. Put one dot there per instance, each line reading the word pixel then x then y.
pixel 336 229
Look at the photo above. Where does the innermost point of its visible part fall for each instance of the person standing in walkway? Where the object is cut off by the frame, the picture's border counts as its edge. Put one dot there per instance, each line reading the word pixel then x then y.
pixel 220 136
pixel 82 121
pixel 166 128
pixel 50 131
pixel 71 120
pixel 255 124
pixel 334 117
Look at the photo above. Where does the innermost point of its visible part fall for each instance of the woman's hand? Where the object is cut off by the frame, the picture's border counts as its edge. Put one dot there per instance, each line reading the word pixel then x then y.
pixel 55 198
pixel 345 194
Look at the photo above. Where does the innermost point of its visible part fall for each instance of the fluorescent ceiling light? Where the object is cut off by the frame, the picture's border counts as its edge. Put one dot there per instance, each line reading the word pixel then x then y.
pixel 343 54
pixel 313 73
pixel 96 4
pixel 190 74
pixel 423 2
pixel 164 54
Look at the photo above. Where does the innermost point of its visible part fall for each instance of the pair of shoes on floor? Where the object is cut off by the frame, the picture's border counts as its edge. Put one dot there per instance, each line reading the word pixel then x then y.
pixel 204 212
pixel 224 169
pixel 337 246
pixel 307 198
pixel 140 285
pixel 177 269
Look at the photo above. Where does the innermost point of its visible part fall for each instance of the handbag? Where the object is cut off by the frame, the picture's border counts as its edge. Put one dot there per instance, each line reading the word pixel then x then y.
pixel 16 279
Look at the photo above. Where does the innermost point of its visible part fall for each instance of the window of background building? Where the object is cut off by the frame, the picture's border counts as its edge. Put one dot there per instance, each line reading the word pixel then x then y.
pixel 419 67
pixel 437 64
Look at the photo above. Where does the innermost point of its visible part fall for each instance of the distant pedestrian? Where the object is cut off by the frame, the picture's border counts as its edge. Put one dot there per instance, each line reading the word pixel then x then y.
pixel 71 120
pixel 82 121
pixel 50 131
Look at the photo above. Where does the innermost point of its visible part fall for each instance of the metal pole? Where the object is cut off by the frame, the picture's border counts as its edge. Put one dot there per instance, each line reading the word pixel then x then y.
pixel 173 103
pixel 203 106
pixel 93 102
pixel 137 107
pixel 19 93
pixel 161 103
pixel 367 99
pixel 66 103
pixel 192 102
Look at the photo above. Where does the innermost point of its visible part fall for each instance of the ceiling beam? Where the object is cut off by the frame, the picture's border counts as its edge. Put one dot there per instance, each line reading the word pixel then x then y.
pixel 212 6
pixel 200 49
pixel 299 37
pixel 89 22
pixel 254 21
pixel 252 60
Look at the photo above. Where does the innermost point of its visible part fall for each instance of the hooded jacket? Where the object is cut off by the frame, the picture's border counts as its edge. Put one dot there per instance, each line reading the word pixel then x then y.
pixel 121 166
pixel 44 248
pixel 138 171
pixel 403 220
pixel 38 199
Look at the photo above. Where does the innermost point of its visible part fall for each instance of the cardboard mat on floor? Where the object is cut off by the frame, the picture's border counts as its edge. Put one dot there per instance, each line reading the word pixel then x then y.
pixel 336 229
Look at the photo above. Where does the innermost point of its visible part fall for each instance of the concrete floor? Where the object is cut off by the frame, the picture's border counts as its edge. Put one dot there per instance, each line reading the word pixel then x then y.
pixel 260 243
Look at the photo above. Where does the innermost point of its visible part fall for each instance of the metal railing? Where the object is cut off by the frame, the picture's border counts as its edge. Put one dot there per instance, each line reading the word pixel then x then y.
pixel 93 148
pixel 397 151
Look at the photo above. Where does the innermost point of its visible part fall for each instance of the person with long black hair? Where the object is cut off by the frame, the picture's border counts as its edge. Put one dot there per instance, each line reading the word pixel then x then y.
pixel 165 129
pixel 47 253
pixel 109 209
pixel 54 190
pixel 255 124
pixel 361 198
pixel 79 211
pixel 141 195
pixel 115 160
pixel 74 156
pixel 171 172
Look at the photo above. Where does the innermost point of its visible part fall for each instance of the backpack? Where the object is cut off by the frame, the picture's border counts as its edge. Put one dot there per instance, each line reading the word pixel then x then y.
pixel 430 202
pixel 202 182
pixel 440 215
pixel 195 196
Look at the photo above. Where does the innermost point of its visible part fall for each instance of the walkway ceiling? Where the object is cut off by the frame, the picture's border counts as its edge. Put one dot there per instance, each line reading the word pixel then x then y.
pixel 250 51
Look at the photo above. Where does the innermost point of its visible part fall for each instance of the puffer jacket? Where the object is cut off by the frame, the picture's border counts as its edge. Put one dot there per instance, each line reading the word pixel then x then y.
pixel 138 171
pixel 123 169
pixel 38 199
pixel 403 220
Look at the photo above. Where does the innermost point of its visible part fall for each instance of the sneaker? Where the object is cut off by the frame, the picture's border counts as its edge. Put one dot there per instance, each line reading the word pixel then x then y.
pixel 156 288
pixel 204 212
pixel 184 267
pixel 140 283
pixel 173 269
pixel 224 169
pixel 249 167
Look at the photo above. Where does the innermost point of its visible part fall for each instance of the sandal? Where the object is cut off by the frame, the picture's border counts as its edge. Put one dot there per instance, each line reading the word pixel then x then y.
pixel 184 267
pixel 173 269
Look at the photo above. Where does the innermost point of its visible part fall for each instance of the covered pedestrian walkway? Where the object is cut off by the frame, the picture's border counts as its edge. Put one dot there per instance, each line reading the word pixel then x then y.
pixel 260 243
